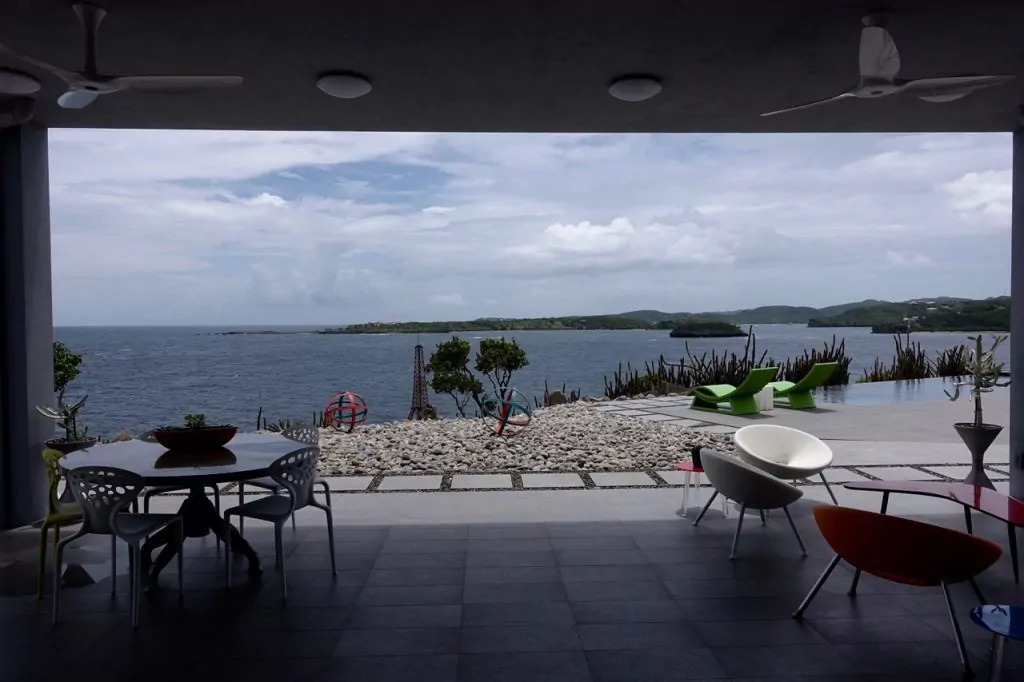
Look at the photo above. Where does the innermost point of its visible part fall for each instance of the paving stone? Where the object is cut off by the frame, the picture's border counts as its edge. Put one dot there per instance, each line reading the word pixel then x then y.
pixel 900 474
pixel 630 413
pixel 959 472
pixel 348 483
pixel 462 481
pixel 1005 468
pixel 677 477
pixel 609 408
pixel 657 417
pixel 552 481
pixel 838 476
pixel 622 479
pixel 410 483
pixel 716 428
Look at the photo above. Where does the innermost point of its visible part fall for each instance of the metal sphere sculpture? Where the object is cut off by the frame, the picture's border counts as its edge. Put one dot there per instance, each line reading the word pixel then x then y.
pixel 507 407
pixel 345 411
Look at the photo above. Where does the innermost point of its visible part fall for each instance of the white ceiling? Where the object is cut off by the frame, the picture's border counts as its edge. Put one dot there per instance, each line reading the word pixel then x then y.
pixel 525 65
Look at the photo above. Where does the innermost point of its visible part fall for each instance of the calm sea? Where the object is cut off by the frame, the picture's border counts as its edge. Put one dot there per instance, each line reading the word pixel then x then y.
pixel 140 377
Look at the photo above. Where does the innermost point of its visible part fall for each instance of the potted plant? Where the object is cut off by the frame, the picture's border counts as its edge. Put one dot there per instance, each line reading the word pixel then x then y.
pixel 986 375
pixel 65 370
pixel 195 435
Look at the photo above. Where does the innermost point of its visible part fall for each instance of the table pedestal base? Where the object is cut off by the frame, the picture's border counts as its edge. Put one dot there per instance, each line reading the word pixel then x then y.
pixel 200 518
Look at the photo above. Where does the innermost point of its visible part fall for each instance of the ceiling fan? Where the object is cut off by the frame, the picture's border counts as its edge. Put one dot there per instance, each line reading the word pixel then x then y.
pixel 879 64
pixel 86 85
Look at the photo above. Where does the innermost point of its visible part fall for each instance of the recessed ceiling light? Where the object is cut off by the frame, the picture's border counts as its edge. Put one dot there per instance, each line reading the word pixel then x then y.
pixel 344 85
pixel 17 83
pixel 634 88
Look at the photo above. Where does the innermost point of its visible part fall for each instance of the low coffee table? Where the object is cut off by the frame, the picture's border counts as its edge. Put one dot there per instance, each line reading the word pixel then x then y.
pixel 692 478
pixel 976 497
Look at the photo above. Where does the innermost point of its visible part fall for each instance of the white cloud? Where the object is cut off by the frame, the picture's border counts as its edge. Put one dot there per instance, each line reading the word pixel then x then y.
pixel 265 199
pixel 986 194
pixel 447 299
pixel 217 227
pixel 908 260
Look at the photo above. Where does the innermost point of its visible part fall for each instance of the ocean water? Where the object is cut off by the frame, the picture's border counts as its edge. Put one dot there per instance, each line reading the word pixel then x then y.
pixel 140 377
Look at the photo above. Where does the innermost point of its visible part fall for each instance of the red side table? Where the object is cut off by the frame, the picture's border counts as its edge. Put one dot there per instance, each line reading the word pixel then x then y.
pixel 692 478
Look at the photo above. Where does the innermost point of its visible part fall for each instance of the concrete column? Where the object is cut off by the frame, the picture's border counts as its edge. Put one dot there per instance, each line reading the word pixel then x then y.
pixel 1017 322
pixel 26 322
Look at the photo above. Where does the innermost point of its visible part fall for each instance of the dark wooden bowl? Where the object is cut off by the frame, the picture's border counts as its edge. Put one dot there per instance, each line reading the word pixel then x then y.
pixel 191 440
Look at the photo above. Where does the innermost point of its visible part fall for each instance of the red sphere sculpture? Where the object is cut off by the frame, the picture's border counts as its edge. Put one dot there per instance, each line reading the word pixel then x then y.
pixel 345 411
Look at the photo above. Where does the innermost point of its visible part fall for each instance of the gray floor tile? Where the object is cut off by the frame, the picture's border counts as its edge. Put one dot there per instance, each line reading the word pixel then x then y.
pixel 506 531
pixel 610 557
pixel 637 573
pixel 489 559
pixel 651 666
pixel 551 614
pixel 625 636
pixel 617 591
pixel 509 545
pixel 450 532
pixel 787 662
pixel 514 593
pixel 443 668
pixel 394 561
pixel 512 638
pixel 415 576
pixel 398 642
pixel 524 667
pixel 513 574
pixel 858 630
pixel 387 617
pixel 593 543
pixel 626 612
pixel 411 596
pixel 757 633
pixel 423 546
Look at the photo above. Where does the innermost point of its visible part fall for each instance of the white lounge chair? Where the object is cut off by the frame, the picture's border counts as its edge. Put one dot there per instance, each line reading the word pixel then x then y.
pixel 789 454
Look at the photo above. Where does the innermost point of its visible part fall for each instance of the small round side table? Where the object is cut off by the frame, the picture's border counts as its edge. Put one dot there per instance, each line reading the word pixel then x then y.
pixel 692 479
pixel 1004 622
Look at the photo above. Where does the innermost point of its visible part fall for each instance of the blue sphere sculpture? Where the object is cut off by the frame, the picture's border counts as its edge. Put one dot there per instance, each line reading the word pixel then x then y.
pixel 506 407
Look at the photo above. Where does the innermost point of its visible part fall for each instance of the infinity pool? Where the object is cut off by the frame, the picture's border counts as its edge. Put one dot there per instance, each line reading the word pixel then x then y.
pixel 886 392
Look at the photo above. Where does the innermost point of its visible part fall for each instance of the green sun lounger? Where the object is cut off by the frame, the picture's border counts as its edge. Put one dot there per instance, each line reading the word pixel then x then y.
pixel 740 398
pixel 798 396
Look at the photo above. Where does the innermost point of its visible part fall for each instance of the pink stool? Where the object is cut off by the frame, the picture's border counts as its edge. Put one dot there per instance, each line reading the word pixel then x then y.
pixel 692 478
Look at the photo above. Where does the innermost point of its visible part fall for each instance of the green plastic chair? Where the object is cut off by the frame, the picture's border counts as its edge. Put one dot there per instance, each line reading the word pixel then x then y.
pixel 798 396
pixel 740 398
pixel 58 515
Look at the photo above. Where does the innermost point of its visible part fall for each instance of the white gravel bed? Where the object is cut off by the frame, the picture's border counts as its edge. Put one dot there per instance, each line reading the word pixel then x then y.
pixel 571 437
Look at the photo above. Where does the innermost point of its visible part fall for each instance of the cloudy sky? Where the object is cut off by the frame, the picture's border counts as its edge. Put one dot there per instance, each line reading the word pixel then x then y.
pixel 185 227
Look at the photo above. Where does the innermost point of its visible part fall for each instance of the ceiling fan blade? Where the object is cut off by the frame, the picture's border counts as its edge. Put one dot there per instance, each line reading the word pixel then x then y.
pixel 174 84
pixel 879 58
pixel 950 88
pixel 63 74
pixel 77 99
pixel 844 95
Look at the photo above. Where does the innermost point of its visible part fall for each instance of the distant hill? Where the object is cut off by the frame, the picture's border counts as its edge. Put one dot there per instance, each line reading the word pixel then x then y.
pixel 932 314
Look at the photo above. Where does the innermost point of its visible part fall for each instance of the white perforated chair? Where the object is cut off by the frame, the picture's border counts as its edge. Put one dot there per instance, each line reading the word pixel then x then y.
pixel 104 493
pixel 295 473
pixel 789 454
pixel 300 434
pixel 751 488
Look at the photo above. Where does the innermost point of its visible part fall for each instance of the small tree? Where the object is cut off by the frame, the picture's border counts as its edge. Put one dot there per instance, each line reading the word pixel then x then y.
pixel 65 367
pixel 449 369
pixel 498 359
pixel 985 374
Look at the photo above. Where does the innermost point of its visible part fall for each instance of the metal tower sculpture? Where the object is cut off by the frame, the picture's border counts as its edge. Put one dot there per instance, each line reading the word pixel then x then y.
pixel 421 407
